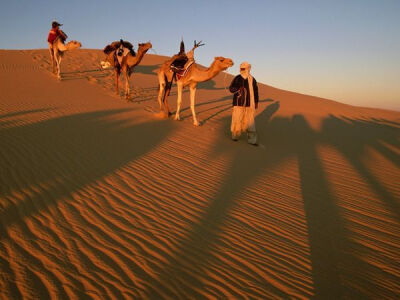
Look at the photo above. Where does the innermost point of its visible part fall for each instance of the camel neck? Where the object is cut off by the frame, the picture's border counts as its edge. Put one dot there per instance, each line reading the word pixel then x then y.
pixel 134 60
pixel 207 74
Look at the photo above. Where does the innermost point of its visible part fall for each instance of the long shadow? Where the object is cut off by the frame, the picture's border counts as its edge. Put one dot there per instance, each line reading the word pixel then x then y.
pixel 209 85
pixel 325 227
pixel 197 250
pixel 337 262
pixel 24 112
pixel 228 106
pixel 223 99
pixel 146 69
pixel 9 120
pixel 65 154
pixel 353 138
pixel 386 121
pixel 83 76
pixel 99 70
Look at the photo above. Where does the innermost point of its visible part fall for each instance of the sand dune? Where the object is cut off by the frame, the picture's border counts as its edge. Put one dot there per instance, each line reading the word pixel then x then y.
pixel 100 199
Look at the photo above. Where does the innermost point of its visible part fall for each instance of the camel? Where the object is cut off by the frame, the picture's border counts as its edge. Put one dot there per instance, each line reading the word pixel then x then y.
pixel 166 75
pixel 57 50
pixel 192 76
pixel 128 63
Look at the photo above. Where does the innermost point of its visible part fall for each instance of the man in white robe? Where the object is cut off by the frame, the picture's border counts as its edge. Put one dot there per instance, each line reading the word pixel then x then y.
pixel 245 102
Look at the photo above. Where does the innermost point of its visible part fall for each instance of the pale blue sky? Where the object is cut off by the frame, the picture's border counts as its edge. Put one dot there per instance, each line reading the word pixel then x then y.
pixel 346 50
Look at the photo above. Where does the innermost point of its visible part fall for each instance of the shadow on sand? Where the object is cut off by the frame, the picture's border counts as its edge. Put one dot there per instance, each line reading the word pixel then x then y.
pixel 338 268
pixel 81 149
pixel 66 154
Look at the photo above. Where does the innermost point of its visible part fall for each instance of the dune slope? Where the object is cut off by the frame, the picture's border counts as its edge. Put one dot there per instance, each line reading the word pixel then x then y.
pixel 101 199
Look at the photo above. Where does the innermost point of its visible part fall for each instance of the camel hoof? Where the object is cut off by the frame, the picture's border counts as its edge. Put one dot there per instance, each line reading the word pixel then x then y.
pixel 196 123
pixel 177 118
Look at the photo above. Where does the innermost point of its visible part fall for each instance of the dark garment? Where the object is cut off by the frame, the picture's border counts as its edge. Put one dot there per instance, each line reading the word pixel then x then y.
pixel 240 88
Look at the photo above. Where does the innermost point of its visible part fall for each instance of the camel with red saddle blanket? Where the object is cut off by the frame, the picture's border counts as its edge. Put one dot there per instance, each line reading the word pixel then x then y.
pixel 57 50
pixel 190 76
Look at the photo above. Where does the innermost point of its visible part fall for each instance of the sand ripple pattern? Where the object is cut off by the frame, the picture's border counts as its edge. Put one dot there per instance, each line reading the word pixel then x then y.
pixel 99 201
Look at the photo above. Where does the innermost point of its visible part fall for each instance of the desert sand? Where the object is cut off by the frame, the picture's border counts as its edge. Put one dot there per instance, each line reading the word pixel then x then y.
pixel 100 199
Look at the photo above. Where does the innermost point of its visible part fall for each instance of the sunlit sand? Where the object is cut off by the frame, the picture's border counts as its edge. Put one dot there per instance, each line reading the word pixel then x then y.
pixel 104 198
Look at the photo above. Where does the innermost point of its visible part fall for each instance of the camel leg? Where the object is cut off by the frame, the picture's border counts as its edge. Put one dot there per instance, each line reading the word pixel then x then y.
pixel 58 62
pixel 116 83
pixel 51 57
pixel 127 91
pixel 166 107
pixel 192 101
pixel 178 105
pixel 161 86
pixel 162 99
pixel 161 93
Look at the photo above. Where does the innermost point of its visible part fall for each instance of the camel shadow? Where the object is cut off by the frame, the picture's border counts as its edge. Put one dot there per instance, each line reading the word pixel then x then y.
pixel 25 112
pixel 227 106
pixel 354 137
pixel 146 69
pixel 60 156
pixel 79 75
pixel 85 71
pixel 337 261
pixel 209 85
pixel 198 247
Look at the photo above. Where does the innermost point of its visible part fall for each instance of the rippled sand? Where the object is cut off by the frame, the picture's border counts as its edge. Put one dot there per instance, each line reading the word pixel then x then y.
pixel 101 199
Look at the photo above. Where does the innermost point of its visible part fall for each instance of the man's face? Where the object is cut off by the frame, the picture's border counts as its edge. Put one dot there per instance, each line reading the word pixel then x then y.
pixel 244 72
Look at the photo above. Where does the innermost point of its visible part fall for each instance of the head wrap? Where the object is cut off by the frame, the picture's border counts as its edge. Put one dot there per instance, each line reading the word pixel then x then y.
pixel 246 72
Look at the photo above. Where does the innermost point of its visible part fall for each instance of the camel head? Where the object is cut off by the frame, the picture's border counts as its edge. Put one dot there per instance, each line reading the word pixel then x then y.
pixel 222 62
pixel 73 45
pixel 145 46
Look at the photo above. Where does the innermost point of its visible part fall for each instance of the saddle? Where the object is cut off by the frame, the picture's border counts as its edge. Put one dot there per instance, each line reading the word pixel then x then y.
pixel 118 50
pixel 121 44
pixel 180 66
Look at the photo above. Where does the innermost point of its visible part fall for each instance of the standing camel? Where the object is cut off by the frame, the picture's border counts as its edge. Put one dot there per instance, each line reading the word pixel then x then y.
pixel 57 50
pixel 191 77
pixel 166 75
pixel 121 56
pixel 129 62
